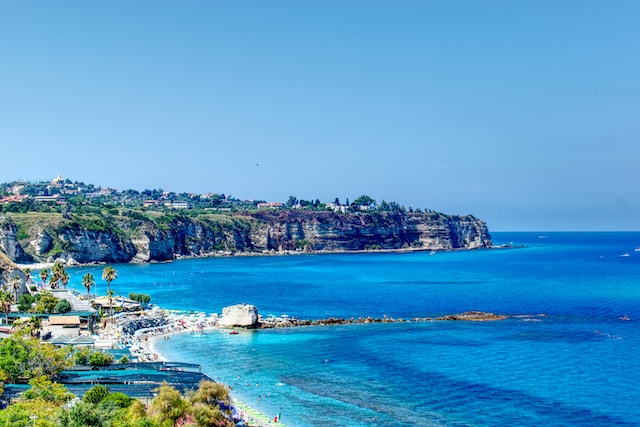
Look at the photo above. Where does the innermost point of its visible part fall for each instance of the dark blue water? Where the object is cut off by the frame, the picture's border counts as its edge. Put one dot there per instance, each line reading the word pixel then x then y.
pixel 576 365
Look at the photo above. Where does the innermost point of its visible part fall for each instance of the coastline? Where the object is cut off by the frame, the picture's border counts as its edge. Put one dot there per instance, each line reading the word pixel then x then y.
pixel 145 349
pixel 432 251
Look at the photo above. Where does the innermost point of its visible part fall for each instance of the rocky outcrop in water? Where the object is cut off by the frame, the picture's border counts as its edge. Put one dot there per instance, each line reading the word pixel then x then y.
pixel 241 315
pixel 287 322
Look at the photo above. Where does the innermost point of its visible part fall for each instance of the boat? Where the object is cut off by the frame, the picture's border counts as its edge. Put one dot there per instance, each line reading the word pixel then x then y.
pixel 233 333
pixel 625 318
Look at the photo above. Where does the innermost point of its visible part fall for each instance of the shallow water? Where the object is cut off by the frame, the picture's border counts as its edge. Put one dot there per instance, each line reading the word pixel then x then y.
pixel 577 365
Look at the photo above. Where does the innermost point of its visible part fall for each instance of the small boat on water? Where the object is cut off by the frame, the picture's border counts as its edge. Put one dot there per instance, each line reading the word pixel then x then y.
pixel 625 318
pixel 233 333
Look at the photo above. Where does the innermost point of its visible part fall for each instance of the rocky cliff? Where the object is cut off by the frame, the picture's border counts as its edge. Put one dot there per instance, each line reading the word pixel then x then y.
pixel 328 231
pixel 122 239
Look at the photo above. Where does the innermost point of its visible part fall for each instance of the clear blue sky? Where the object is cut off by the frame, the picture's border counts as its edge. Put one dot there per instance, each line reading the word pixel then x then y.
pixel 525 114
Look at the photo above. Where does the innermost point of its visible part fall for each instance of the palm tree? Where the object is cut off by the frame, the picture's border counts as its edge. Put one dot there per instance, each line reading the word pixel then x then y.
pixel 64 278
pixel 58 275
pixel 88 282
pixel 27 272
pixel 15 284
pixel 35 324
pixel 6 299
pixel 109 274
pixel 53 282
pixel 110 294
pixel 43 276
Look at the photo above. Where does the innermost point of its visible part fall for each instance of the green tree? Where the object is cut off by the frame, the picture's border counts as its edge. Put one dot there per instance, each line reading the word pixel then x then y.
pixel 363 200
pixel 15 285
pixel 117 399
pixel 205 404
pixel 6 299
pixel 43 388
pixel 81 356
pixel 96 393
pixel 44 274
pixel 168 406
pixel 30 413
pixel 110 294
pixel 84 414
pixel 109 274
pixel 34 325
pixel 63 306
pixel 88 282
pixel 64 278
pixel 25 301
pixel 24 358
pixel 143 299
pixel 100 358
pixel 58 275
pixel 46 303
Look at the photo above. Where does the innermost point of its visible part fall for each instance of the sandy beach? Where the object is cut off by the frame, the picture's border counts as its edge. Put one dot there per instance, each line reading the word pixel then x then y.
pixel 142 345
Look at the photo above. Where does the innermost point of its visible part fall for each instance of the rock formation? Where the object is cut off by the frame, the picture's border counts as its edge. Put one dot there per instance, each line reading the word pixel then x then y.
pixel 9 244
pixel 241 315
pixel 122 239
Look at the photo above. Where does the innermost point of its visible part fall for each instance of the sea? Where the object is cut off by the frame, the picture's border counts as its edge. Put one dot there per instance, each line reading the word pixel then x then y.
pixel 568 355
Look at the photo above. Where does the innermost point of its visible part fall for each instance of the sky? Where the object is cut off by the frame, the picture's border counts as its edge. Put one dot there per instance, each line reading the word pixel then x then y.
pixel 524 114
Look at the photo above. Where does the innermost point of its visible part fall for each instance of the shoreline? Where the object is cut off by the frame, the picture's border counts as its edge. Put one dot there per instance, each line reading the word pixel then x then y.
pixel 145 349
pixel 142 338
pixel 47 265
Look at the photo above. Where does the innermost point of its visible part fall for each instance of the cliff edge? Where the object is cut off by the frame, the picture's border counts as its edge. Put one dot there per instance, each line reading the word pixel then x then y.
pixel 126 237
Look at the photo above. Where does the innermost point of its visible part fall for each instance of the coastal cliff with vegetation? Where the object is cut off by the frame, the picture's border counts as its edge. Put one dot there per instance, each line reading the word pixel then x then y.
pixel 129 237
pixel 78 223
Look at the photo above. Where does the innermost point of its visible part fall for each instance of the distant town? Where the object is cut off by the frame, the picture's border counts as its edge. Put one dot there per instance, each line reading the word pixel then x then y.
pixel 61 195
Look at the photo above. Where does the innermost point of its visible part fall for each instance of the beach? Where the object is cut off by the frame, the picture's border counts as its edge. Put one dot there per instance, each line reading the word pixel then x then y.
pixel 142 346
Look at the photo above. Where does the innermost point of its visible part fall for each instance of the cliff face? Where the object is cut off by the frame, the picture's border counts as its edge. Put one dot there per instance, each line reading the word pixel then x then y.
pixel 9 244
pixel 144 240
pixel 327 231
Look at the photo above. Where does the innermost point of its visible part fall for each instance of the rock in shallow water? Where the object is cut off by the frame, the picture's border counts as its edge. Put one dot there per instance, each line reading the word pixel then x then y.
pixel 241 315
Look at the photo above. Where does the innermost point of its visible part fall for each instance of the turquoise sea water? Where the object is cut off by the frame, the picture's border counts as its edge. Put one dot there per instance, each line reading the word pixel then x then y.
pixel 576 365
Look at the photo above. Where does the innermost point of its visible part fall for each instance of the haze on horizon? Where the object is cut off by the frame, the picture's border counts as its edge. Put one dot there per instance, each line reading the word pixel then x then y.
pixel 522 114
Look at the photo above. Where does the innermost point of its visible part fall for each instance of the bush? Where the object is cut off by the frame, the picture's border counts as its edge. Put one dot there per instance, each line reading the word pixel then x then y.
pixel 99 358
pixel 143 299
pixel 96 394
pixel 25 301
pixel 63 306
pixel 81 357
pixel 119 400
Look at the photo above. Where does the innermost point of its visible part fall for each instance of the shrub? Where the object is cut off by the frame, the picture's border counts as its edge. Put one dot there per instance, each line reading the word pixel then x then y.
pixel 119 400
pixel 99 358
pixel 63 306
pixel 25 301
pixel 96 394
pixel 81 357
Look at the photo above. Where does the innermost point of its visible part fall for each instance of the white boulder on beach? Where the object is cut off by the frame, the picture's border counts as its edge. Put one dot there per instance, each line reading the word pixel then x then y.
pixel 240 315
